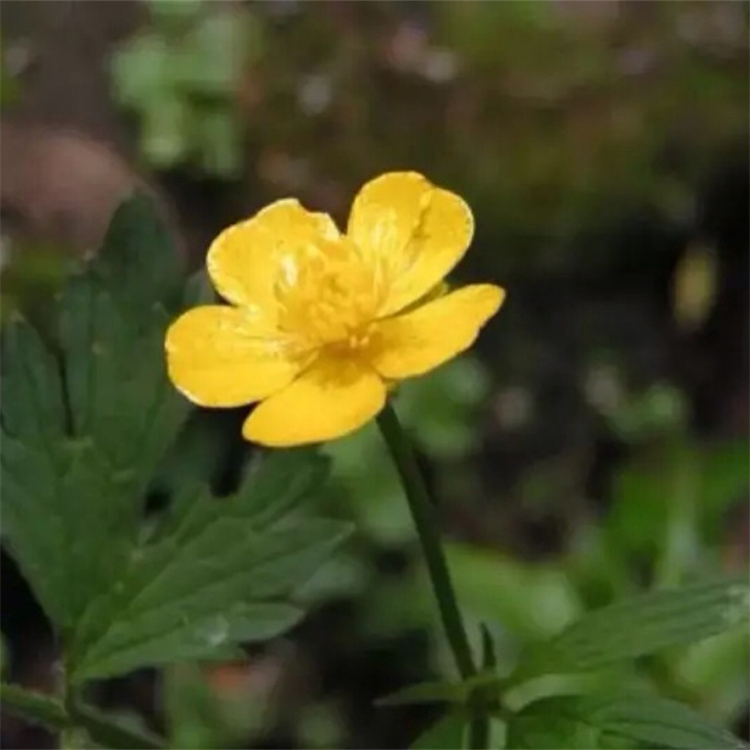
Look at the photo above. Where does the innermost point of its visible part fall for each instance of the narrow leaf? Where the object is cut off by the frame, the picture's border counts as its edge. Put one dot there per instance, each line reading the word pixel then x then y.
pixel 489 657
pixel 34 707
pixel 642 625
pixel 426 692
pixel 445 734
pixel 622 720
pixel 111 732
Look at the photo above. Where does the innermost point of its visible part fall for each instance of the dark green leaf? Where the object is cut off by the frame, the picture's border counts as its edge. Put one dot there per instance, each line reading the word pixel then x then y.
pixel 530 600
pixel 55 489
pixel 622 720
pixel 82 436
pixel 445 734
pixel 138 262
pixel 682 475
pixel 60 511
pixel 34 707
pixel 223 572
pixel 489 657
pixel 33 405
pixel 642 625
pixel 198 290
pixel 113 321
pixel 110 732
pixel 426 692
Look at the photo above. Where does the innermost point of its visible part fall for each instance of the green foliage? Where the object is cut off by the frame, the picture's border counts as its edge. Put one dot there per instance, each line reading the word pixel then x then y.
pixel 448 733
pixel 87 419
pixel 643 625
pixel 530 600
pixel 623 632
pixel 86 722
pixel 220 576
pixel 633 719
pixel 83 433
pixel 689 489
pixel 438 691
pixel 30 273
pixel 180 77
pixel 41 709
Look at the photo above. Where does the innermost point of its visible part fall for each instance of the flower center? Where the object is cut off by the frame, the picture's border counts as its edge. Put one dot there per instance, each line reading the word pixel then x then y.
pixel 328 296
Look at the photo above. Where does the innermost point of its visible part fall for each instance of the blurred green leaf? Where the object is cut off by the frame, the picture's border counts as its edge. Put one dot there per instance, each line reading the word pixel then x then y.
pixel 715 669
pixel 219 141
pixel 165 132
pixel 438 691
pixel 117 733
pixel 695 485
pixel 447 733
pixel 662 409
pixel 50 713
pixel 182 79
pixel 439 407
pixel 489 657
pixel 619 720
pixel 530 600
pixel 642 625
pixel 221 573
pixel 141 71
pixel 370 488
pixel 35 707
pixel 344 575
pixel 174 16
pixel 724 481
pixel 213 55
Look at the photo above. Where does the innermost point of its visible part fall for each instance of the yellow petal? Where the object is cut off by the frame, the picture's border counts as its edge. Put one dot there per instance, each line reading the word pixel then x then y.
pixel 330 399
pixel 224 356
pixel 418 232
pixel 245 260
pixel 418 341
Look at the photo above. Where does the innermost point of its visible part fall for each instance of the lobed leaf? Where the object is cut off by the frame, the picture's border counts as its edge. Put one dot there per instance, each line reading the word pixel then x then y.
pixel 83 431
pixel 222 572
pixel 83 435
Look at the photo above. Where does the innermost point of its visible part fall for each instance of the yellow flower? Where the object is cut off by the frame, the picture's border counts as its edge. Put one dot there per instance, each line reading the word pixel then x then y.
pixel 321 322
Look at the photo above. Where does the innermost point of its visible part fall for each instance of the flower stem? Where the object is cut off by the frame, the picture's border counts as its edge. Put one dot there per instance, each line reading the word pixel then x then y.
pixel 423 513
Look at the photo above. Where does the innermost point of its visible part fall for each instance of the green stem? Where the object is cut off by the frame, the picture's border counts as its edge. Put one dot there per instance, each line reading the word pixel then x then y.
pixel 479 731
pixel 423 513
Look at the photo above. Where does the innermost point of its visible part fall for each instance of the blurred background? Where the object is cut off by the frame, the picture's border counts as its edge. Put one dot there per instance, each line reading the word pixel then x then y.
pixel 593 445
